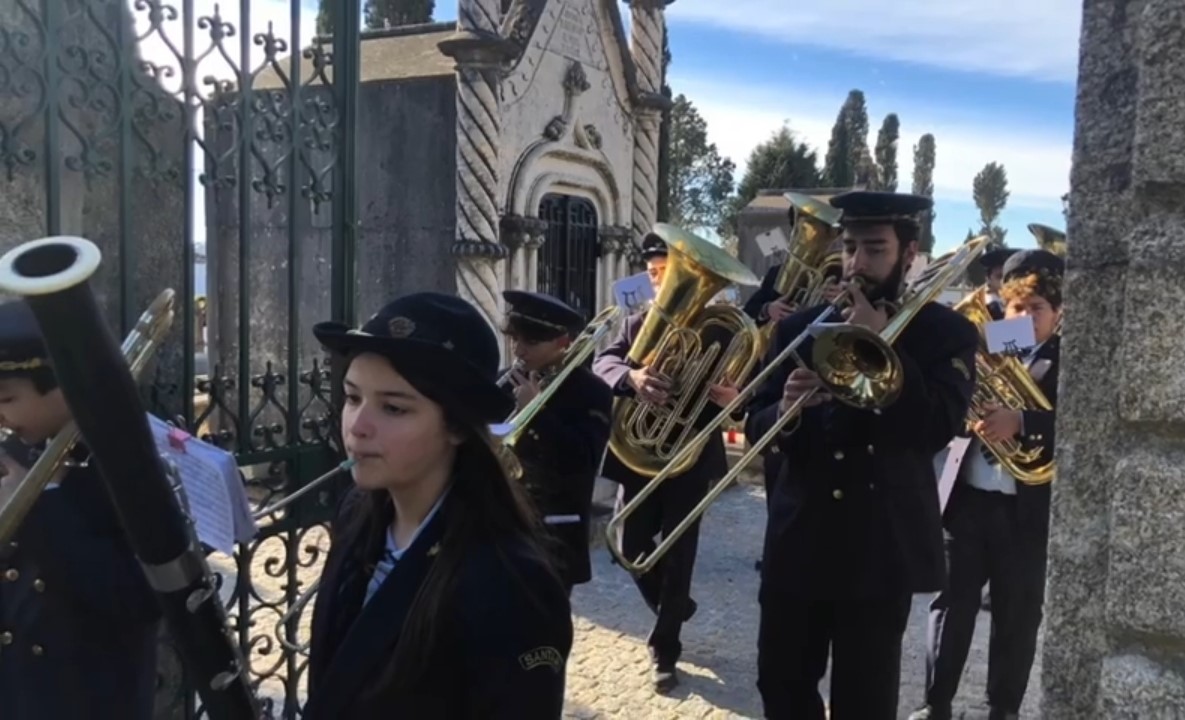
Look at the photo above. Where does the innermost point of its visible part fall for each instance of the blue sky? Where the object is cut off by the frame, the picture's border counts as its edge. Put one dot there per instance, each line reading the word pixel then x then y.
pixel 992 81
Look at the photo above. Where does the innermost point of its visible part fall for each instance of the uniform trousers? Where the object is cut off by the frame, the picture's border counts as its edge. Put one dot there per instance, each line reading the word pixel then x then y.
pixel 800 629
pixel 666 588
pixel 985 543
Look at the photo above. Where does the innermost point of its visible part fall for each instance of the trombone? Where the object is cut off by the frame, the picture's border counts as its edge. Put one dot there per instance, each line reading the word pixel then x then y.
pixel 581 348
pixel 138 348
pixel 856 365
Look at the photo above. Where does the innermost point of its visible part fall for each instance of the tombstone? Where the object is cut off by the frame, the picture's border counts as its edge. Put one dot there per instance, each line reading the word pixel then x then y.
pixel 1115 598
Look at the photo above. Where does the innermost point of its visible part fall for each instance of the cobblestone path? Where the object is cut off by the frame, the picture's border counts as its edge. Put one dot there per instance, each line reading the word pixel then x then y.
pixel 609 672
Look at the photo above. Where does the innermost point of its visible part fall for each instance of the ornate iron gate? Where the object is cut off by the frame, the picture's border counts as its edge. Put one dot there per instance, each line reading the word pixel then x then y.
pixel 148 126
pixel 568 258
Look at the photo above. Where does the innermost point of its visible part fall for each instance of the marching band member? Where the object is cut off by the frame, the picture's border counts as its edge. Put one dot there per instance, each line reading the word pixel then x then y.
pixel 997 528
pixel 437 598
pixel 78 620
pixel 766 306
pixel 666 589
pixel 854 528
pixel 564 444
pixel 993 262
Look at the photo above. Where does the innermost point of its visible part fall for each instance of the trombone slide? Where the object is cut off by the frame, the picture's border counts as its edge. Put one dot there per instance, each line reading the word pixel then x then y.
pixel 861 393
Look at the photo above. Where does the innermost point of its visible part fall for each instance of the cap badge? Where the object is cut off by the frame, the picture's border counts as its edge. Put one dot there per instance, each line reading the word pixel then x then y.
pixel 401 327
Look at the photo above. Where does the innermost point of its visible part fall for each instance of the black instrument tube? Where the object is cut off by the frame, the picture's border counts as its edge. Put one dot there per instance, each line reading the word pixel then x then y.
pixel 105 402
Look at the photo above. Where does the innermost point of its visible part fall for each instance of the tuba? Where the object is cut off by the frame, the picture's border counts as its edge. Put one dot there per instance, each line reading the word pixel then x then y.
pixel 802 276
pixel 857 366
pixel 52 275
pixel 1049 238
pixel 1003 380
pixel 692 344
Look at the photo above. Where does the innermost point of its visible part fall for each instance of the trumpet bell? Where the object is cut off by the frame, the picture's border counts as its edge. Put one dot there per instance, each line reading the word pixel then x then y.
pixel 858 367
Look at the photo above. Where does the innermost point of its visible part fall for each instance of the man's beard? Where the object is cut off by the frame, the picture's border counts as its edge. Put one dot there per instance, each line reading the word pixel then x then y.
pixel 889 288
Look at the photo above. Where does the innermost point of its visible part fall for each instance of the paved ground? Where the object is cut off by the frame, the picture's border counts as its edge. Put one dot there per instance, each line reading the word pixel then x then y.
pixel 608 675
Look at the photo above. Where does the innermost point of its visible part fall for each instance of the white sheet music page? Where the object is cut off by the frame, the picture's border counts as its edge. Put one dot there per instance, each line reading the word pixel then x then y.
pixel 772 241
pixel 204 484
pixel 1010 337
pixel 245 525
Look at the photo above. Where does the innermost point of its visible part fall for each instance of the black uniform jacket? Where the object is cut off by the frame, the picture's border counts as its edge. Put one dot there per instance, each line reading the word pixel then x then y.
pixel 856 504
pixel 1038 432
pixel 78 619
pixel 763 295
pixel 613 367
pixel 503 651
pixel 561 453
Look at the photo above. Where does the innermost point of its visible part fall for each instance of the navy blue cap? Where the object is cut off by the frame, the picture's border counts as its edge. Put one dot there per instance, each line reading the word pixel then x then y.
pixel 653 246
pixel 877 206
pixel 546 313
pixel 993 259
pixel 435 337
pixel 1029 262
pixel 22 350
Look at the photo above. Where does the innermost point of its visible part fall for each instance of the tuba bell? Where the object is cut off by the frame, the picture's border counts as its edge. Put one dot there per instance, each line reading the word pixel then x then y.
pixel 802 276
pixel 690 343
pixel 1004 381
pixel 1049 238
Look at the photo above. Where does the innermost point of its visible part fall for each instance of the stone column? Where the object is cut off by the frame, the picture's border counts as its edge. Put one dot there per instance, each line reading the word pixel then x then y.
pixel 614 240
pixel 1115 609
pixel 517 233
pixel 534 242
pixel 479 52
pixel 646 39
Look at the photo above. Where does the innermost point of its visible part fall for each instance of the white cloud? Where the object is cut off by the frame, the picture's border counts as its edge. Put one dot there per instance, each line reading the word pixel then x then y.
pixel 1028 38
pixel 1038 166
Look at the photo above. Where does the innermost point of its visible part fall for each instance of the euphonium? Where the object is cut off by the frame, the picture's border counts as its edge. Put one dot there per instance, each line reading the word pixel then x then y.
pixel 692 344
pixel 802 276
pixel 857 366
pixel 1004 381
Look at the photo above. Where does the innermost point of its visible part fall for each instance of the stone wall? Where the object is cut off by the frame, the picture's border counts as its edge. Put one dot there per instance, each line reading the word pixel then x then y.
pixel 1115 613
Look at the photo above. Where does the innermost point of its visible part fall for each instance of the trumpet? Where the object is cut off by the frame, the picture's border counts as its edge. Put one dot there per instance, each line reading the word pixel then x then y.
pixel 1002 380
pixel 581 348
pixel 857 366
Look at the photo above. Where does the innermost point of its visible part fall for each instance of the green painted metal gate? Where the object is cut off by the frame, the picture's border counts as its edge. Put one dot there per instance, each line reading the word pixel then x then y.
pixel 206 147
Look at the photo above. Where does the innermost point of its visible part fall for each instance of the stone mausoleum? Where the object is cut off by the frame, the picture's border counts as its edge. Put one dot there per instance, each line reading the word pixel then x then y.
pixel 515 148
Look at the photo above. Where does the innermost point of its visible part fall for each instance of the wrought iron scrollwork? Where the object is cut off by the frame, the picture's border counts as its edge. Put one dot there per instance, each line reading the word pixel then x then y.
pixel 246 118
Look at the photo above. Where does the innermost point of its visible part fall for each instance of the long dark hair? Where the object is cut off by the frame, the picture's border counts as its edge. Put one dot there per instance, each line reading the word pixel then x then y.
pixel 485 507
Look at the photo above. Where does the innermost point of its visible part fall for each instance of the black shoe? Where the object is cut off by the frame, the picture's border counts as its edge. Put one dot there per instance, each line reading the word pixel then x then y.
pixel 666 678
pixel 692 606
pixel 929 712
pixel 998 714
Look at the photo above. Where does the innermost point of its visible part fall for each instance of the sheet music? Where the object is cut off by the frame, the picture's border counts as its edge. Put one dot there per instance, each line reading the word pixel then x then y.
pixel 213 487
pixel 633 292
pixel 772 241
pixel 1010 336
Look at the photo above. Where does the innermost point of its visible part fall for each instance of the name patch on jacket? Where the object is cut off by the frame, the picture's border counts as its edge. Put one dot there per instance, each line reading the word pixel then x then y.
pixel 545 656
